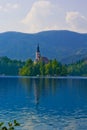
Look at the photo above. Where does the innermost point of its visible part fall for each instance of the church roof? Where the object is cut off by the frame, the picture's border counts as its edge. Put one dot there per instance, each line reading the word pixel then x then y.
pixel 44 59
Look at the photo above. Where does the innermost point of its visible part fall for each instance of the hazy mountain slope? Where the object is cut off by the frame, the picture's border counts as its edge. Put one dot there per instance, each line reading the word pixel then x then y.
pixel 66 46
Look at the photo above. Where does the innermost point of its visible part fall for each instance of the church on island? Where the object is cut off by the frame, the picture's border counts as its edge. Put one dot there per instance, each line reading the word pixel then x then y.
pixel 39 57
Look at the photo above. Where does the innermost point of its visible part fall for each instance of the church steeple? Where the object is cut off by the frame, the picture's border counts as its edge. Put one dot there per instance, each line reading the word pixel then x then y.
pixel 38 49
pixel 38 55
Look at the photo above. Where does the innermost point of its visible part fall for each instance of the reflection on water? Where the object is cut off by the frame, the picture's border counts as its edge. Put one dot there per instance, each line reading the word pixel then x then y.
pixel 44 103
pixel 40 87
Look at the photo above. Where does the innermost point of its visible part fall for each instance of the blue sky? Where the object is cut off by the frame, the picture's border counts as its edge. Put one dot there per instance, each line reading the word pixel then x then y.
pixel 33 16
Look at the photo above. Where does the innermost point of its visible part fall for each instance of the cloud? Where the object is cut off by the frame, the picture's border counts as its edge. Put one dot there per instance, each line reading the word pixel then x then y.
pixel 11 6
pixel 43 15
pixel 76 21
pixel 7 7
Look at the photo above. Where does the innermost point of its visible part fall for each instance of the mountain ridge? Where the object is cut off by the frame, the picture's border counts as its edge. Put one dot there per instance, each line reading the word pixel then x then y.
pixel 63 45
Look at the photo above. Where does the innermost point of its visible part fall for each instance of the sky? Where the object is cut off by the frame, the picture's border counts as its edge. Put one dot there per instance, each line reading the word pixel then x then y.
pixel 32 16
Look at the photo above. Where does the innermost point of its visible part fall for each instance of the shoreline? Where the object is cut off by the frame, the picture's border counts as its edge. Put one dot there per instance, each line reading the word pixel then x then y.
pixel 45 77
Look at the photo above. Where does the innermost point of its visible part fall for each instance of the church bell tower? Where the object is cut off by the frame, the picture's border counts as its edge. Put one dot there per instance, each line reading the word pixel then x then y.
pixel 38 56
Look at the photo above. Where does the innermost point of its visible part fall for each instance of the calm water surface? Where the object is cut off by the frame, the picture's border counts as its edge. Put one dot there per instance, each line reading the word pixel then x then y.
pixel 44 104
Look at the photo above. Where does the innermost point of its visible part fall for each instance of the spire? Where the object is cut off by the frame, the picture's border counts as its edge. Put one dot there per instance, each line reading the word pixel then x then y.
pixel 38 49
pixel 38 56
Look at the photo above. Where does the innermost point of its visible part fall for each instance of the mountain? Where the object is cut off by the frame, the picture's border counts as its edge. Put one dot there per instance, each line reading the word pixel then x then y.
pixel 65 46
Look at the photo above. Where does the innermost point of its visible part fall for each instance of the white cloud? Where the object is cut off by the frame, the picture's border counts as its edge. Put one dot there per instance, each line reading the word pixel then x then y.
pixel 43 15
pixel 15 6
pixel 1 7
pixel 8 7
pixel 76 21
pixel 11 6
pixel 39 10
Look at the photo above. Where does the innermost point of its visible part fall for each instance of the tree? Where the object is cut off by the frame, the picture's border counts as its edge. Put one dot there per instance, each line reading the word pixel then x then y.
pixel 56 67
pixel 64 70
pixel 42 68
pixel 48 68
pixel 27 69
pixel 11 126
pixel 36 69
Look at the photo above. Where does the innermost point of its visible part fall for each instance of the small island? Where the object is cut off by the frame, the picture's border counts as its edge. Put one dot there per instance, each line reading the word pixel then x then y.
pixel 41 66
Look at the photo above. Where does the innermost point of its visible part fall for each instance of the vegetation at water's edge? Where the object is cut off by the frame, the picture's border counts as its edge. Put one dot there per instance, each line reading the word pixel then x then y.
pixel 9 67
pixel 78 69
pixel 11 126
pixel 53 68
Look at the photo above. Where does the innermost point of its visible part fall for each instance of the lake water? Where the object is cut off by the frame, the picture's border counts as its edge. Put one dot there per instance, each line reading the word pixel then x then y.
pixel 44 103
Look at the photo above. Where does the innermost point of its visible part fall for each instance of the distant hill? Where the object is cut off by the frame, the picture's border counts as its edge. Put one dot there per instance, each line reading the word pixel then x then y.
pixel 65 46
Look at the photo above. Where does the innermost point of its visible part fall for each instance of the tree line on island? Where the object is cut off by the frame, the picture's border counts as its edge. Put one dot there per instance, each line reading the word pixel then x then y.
pixel 30 68
pixel 53 68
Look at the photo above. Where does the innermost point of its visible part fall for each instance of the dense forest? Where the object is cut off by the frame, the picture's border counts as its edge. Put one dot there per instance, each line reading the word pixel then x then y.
pixel 10 67
pixel 78 69
pixel 53 68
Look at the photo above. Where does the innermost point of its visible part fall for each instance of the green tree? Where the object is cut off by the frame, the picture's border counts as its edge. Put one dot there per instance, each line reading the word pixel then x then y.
pixel 42 68
pixel 27 69
pixel 64 70
pixel 11 126
pixel 56 67
pixel 48 68
pixel 36 69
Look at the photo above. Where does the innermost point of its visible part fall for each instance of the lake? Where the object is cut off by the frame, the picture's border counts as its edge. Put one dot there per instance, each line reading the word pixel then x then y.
pixel 44 103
